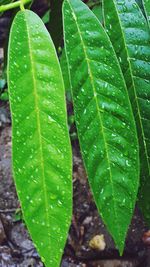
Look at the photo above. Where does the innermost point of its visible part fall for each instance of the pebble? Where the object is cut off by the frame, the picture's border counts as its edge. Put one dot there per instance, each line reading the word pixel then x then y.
pixel 98 242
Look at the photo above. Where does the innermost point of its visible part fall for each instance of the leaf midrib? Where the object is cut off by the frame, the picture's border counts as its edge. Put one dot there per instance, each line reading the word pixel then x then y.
pixel 100 119
pixel 39 127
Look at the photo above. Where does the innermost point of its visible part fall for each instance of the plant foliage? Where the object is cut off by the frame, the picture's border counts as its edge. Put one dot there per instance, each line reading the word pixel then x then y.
pixel 126 23
pixel 41 147
pixel 146 5
pixel 106 68
pixel 104 118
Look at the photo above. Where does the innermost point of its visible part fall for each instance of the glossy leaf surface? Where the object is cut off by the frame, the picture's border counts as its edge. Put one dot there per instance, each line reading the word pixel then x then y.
pixel 41 147
pixel 126 23
pixel 104 118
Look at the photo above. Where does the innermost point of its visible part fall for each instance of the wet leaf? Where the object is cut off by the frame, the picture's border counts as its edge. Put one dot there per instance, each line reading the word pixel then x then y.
pixel 126 23
pixel 41 147
pixel 103 117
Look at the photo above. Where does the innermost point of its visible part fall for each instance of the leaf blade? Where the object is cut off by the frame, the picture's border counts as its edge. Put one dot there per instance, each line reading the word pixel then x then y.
pixel 147 10
pixel 131 28
pixel 88 51
pixel 41 144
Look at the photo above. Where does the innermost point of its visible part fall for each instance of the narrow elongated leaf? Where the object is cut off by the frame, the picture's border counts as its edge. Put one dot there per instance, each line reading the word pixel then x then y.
pixel 104 118
pixel 126 23
pixel 41 148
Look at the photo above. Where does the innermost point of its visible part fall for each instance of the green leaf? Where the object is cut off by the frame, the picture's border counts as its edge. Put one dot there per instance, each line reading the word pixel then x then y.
pixel 65 71
pixel 97 10
pixel 126 23
pixel 41 148
pixel 4 96
pixel 139 2
pixel 46 16
pixel 146 5
pixel 103 117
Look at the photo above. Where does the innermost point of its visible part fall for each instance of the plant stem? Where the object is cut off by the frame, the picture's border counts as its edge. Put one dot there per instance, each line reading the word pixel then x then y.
pixel 22 5
pixel 14 5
